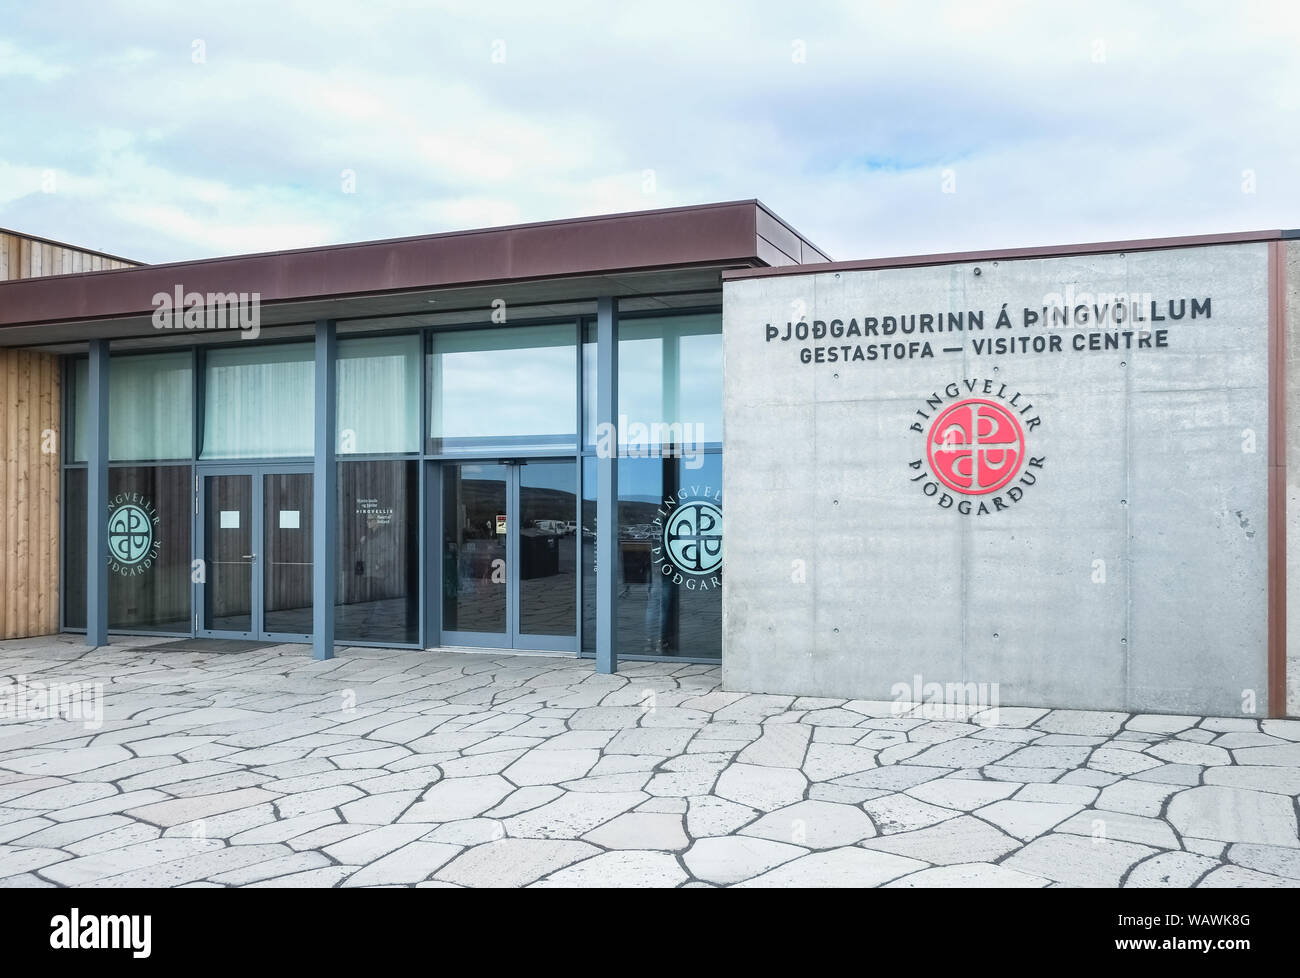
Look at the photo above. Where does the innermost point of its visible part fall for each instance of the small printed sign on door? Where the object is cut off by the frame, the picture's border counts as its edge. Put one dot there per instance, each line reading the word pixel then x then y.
pixel 501 523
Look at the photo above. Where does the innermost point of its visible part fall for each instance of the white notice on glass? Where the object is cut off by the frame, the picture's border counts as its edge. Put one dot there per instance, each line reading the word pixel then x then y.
pixel 230 519
pixel 288 519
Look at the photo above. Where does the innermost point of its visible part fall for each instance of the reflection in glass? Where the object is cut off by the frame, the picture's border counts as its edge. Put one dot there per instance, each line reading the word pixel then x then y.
pixel 474 548
pixel 377 590
pixel 228 592
pixel 379 395
pixel 547 548
pixel 505 388
pixel 258 402
pixel 286 563
pixel 669 560
pixel 669 382
pixel 148 548
pixel 150 411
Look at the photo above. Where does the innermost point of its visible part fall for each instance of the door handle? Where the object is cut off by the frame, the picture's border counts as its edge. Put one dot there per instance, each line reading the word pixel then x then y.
pixel 248 557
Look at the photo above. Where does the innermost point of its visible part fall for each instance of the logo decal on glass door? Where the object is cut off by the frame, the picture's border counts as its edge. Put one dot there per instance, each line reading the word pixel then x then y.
pixel 692 534
pixel 132 548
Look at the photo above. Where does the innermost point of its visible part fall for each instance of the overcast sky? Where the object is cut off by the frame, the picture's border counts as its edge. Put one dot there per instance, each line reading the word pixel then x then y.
pixel 164 130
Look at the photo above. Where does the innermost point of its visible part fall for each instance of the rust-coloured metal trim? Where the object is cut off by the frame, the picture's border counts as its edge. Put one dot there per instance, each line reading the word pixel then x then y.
pixel 677 237
pixel 1044 251
pixel 1276 479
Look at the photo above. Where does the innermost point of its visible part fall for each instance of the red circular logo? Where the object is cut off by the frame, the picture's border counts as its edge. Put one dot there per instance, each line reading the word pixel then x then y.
pixel 975 446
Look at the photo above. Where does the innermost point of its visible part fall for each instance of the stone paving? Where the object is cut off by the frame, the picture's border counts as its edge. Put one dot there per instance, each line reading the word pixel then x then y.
pixel 387 767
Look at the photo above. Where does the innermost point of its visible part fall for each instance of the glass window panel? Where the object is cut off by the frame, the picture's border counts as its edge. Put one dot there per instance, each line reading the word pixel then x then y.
pixel 670 557
pixel 474 536
pixel 503 389
pixel 74 548
pixel 258 402
pixel 669 382
pixel 377 591
pixel 150 407
pixel 149 512
pixel 286 559
pixel 548 542
pixel 379 395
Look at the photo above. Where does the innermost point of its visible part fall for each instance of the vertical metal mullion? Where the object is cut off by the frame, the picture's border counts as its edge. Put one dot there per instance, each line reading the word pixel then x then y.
pixel 258 538
pixel 607 487
pixel 97 495
pixel 324 484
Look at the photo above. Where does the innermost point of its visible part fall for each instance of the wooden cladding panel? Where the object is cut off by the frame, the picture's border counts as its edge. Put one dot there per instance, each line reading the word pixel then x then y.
pixel 29 494
pixel 26 258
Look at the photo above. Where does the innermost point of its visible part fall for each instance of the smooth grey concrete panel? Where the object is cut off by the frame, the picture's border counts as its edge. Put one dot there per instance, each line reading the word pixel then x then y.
pixel 1088 592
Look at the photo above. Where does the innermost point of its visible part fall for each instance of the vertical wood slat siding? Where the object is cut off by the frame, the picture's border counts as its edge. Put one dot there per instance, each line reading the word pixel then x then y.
pixel 29 494
pixel 25 258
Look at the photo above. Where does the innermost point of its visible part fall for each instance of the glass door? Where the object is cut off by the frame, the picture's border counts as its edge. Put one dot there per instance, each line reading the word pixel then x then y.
pixel 256 553
pixel 510 537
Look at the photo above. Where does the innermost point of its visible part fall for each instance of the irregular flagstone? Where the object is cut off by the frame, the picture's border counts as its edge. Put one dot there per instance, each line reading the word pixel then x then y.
pixel 513 862
pixel 524 799
pixel 729 859
pixel 551 766
pixel 270 869
pixel 1235 815
pixel 1181 752
pixel 63 796
pixel 572 815
pixel 781 745
pixel 903 813
pixel 470 832
pixel 1121 826
pixel 628 868
pixel 188 869
pixel 967 752
pixel 1026 820
pixel 411 863
pixel 641 830
pixel 895 777
pixel 101 865
pixel 1170 869
pixel 1274 860
pixel 1088 722
pixel 1187 775
pixel 963 794
pixel 379 809
pixel 708 815
pixel 969 876
pixel 1136 797
pixel 26 859
pixel 321 799
pixel 457 798
pixel 764 788
pixel 1160 723
pixel 1116 761
pixel 1285 756
pixel 824 762
pixel 1236 877
pixel 181 810
pixel 814 825
pixel 846 867
pixel 1078 861
pixel 63 762
pixel 961 840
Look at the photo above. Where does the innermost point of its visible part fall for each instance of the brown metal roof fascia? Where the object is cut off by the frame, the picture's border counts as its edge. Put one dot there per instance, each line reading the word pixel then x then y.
pixel 643 240
pixel 1044 251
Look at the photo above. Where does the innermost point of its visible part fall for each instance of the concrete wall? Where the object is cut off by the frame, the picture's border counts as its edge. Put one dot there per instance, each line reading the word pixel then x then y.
pixel 1131 575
